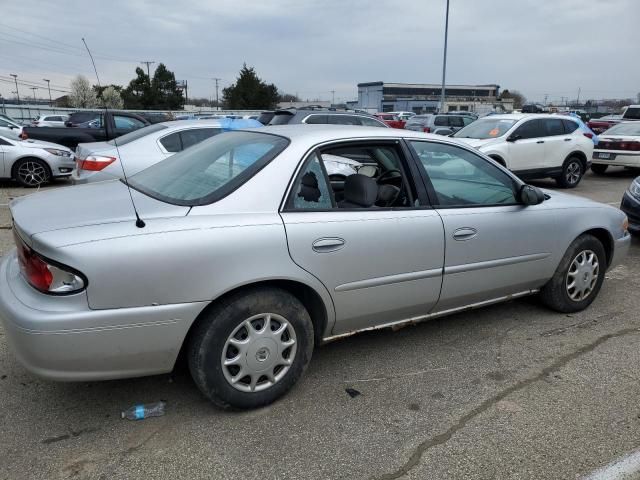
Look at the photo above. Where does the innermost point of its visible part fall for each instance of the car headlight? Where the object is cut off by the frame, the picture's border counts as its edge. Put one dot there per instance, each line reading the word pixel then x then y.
pixel 634 188
pixel 57 152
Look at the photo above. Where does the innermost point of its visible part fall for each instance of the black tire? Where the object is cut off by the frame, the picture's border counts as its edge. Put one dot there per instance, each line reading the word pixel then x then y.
pixel 572 172
pixel 555 293
pixel 208 340
pixel 598 168
pixel 31 172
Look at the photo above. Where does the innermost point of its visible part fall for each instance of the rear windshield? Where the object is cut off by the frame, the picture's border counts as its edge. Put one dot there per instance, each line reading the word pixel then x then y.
pixel 419 120
pixel 136 134
pixel 486 128
pixel 631 128
pixel 209 170
pixel 281 118
pixel 632 112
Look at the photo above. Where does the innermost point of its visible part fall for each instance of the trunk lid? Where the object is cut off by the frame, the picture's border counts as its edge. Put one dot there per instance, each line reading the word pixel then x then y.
pixel 84 205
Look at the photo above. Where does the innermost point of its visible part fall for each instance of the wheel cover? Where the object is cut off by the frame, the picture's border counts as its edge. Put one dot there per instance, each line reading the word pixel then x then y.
pixel 259 352
pixel 32 173
pixel 573 173
pixel 582 275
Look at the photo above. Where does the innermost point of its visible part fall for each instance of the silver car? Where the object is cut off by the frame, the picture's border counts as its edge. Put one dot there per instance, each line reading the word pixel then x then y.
pixel 139 149
pixel 33 162
pixel 244 253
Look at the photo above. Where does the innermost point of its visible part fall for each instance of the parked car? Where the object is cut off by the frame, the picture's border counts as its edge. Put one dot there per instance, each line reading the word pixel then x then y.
pixel 50 120
pixel 533 146
pixel 618 146
pixel 33 163
pixel 533 108
pixel 8 124
pixel 390 119
pixel 109 125
pixel 243 259
pixel 404 115
pixel 463 112
pixel 631 112
pixel 602 124
pixel 631 206
pixel 139 149
pixel 440 124
pixel 320 116
pixel 265 117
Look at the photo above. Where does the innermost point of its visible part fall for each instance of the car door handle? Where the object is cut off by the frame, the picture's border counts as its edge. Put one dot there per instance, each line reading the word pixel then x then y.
pixel 567 139
pixel 325 245
pixel 540 141
pixel 464 233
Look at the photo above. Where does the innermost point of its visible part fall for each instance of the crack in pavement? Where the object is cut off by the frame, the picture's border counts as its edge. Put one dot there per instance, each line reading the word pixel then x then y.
pixel 442 438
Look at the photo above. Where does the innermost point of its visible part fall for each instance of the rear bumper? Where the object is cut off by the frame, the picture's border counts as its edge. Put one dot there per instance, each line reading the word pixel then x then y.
pixel 617 159
pixel 61 338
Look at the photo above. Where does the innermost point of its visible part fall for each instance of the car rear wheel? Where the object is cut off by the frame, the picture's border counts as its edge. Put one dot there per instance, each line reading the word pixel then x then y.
pixel 598 168
pixel 572 172
pixel 250 349
pixel 31 172
pixel 578 278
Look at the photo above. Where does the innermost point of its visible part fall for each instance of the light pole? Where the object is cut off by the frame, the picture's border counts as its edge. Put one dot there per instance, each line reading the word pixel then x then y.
pixel 444 59
pixel 34 95
pixel 15 77
pixel 49 88
pixel 217 100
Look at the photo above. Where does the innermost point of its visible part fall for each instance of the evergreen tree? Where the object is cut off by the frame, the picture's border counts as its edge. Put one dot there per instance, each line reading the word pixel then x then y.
pixel 250 92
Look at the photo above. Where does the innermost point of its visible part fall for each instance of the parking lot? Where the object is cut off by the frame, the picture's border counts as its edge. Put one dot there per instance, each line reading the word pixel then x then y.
pixel 509 391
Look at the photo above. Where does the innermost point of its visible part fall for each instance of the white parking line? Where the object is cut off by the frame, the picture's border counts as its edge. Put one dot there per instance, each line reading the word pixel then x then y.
pixel 625 467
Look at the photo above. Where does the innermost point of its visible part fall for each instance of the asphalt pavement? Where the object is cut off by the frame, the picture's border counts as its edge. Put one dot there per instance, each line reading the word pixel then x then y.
pixel 512 391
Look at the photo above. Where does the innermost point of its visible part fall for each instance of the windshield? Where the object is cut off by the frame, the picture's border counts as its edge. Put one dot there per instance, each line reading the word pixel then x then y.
pixel 209 170
pixel 485 128
pixel 135 135
pixel 631 128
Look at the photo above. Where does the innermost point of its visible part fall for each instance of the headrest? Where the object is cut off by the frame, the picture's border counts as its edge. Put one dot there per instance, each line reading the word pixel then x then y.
pixel 361 190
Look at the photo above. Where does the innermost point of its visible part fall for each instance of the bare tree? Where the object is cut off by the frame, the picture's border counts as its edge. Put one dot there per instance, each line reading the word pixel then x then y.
pixel 111 98
pixel 518 98
pixel 82 94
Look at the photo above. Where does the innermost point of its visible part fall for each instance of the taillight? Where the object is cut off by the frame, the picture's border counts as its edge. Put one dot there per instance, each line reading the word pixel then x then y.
pixel 426 130
pixel 625 145
pixel 588 135
pixel 44 275
pixel 95 163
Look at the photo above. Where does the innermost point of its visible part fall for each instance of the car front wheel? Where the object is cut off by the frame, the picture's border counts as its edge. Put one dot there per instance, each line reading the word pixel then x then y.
pixel 578 278
pixel 250 349
pixel 572 172
pixel 31 172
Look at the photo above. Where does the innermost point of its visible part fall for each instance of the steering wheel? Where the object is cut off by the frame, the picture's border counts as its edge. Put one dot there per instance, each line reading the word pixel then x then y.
pixel 388 194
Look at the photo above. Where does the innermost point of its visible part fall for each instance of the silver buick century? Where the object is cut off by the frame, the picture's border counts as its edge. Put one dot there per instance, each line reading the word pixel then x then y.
pixel 255 246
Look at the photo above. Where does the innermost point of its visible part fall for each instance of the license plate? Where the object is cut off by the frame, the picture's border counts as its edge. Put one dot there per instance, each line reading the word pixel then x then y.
pixel 603 155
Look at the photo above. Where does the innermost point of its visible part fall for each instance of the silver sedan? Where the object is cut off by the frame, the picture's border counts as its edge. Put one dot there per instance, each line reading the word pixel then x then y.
pixel 244 252
pixel 32 162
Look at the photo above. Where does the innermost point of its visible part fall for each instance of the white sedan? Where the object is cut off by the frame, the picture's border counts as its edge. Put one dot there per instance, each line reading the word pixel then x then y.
pixel 618 146
pixel 32 162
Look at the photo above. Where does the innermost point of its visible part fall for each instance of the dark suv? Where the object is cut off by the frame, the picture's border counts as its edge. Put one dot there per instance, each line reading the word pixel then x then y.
pixel 324 117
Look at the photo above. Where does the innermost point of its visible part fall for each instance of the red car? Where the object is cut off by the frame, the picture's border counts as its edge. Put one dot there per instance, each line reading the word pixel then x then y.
pixel 599 125
pixel 390 119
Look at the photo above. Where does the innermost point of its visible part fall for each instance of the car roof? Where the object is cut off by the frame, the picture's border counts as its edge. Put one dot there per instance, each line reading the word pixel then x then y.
pixel 187 123
pixel 317 133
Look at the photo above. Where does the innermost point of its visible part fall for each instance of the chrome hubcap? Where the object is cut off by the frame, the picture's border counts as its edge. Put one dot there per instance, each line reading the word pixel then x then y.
pixel 582 275
pixel 259 352
pixel 573 172
pixel 32 173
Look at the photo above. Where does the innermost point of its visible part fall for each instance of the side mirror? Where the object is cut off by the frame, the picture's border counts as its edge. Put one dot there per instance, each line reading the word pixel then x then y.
pixel 513 138
pixel 530 195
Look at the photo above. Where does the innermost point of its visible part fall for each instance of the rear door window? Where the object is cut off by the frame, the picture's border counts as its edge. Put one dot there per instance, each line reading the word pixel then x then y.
pixel 316 119
pixel 172 142
pixel 343 120
pixel 456 122
pixel 554 127
pixel 441 121
pixel 531 129
pixel 570 126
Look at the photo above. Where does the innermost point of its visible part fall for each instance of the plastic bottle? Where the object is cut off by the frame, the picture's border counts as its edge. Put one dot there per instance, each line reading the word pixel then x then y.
pixel 140 412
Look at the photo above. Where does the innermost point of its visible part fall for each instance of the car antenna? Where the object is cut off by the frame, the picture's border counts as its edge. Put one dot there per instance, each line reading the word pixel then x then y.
pixel 139 222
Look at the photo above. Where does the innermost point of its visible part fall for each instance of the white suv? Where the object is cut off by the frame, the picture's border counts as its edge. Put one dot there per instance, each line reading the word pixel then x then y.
pixel 533 146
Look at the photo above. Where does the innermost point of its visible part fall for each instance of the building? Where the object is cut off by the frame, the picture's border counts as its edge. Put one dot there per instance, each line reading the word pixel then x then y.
pixel 425 97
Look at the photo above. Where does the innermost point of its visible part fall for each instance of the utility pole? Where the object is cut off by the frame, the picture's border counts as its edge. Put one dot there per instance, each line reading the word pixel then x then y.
pixel 546 96
pixel 578 100
pixel 49 88
pixel 15 77
pixel 147 63
pixel 333 97
pixel 215 79
pixel 444 59
pixel 34 94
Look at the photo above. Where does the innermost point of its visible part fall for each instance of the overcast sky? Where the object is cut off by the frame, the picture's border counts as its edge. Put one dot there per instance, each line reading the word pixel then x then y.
pixel 312 47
